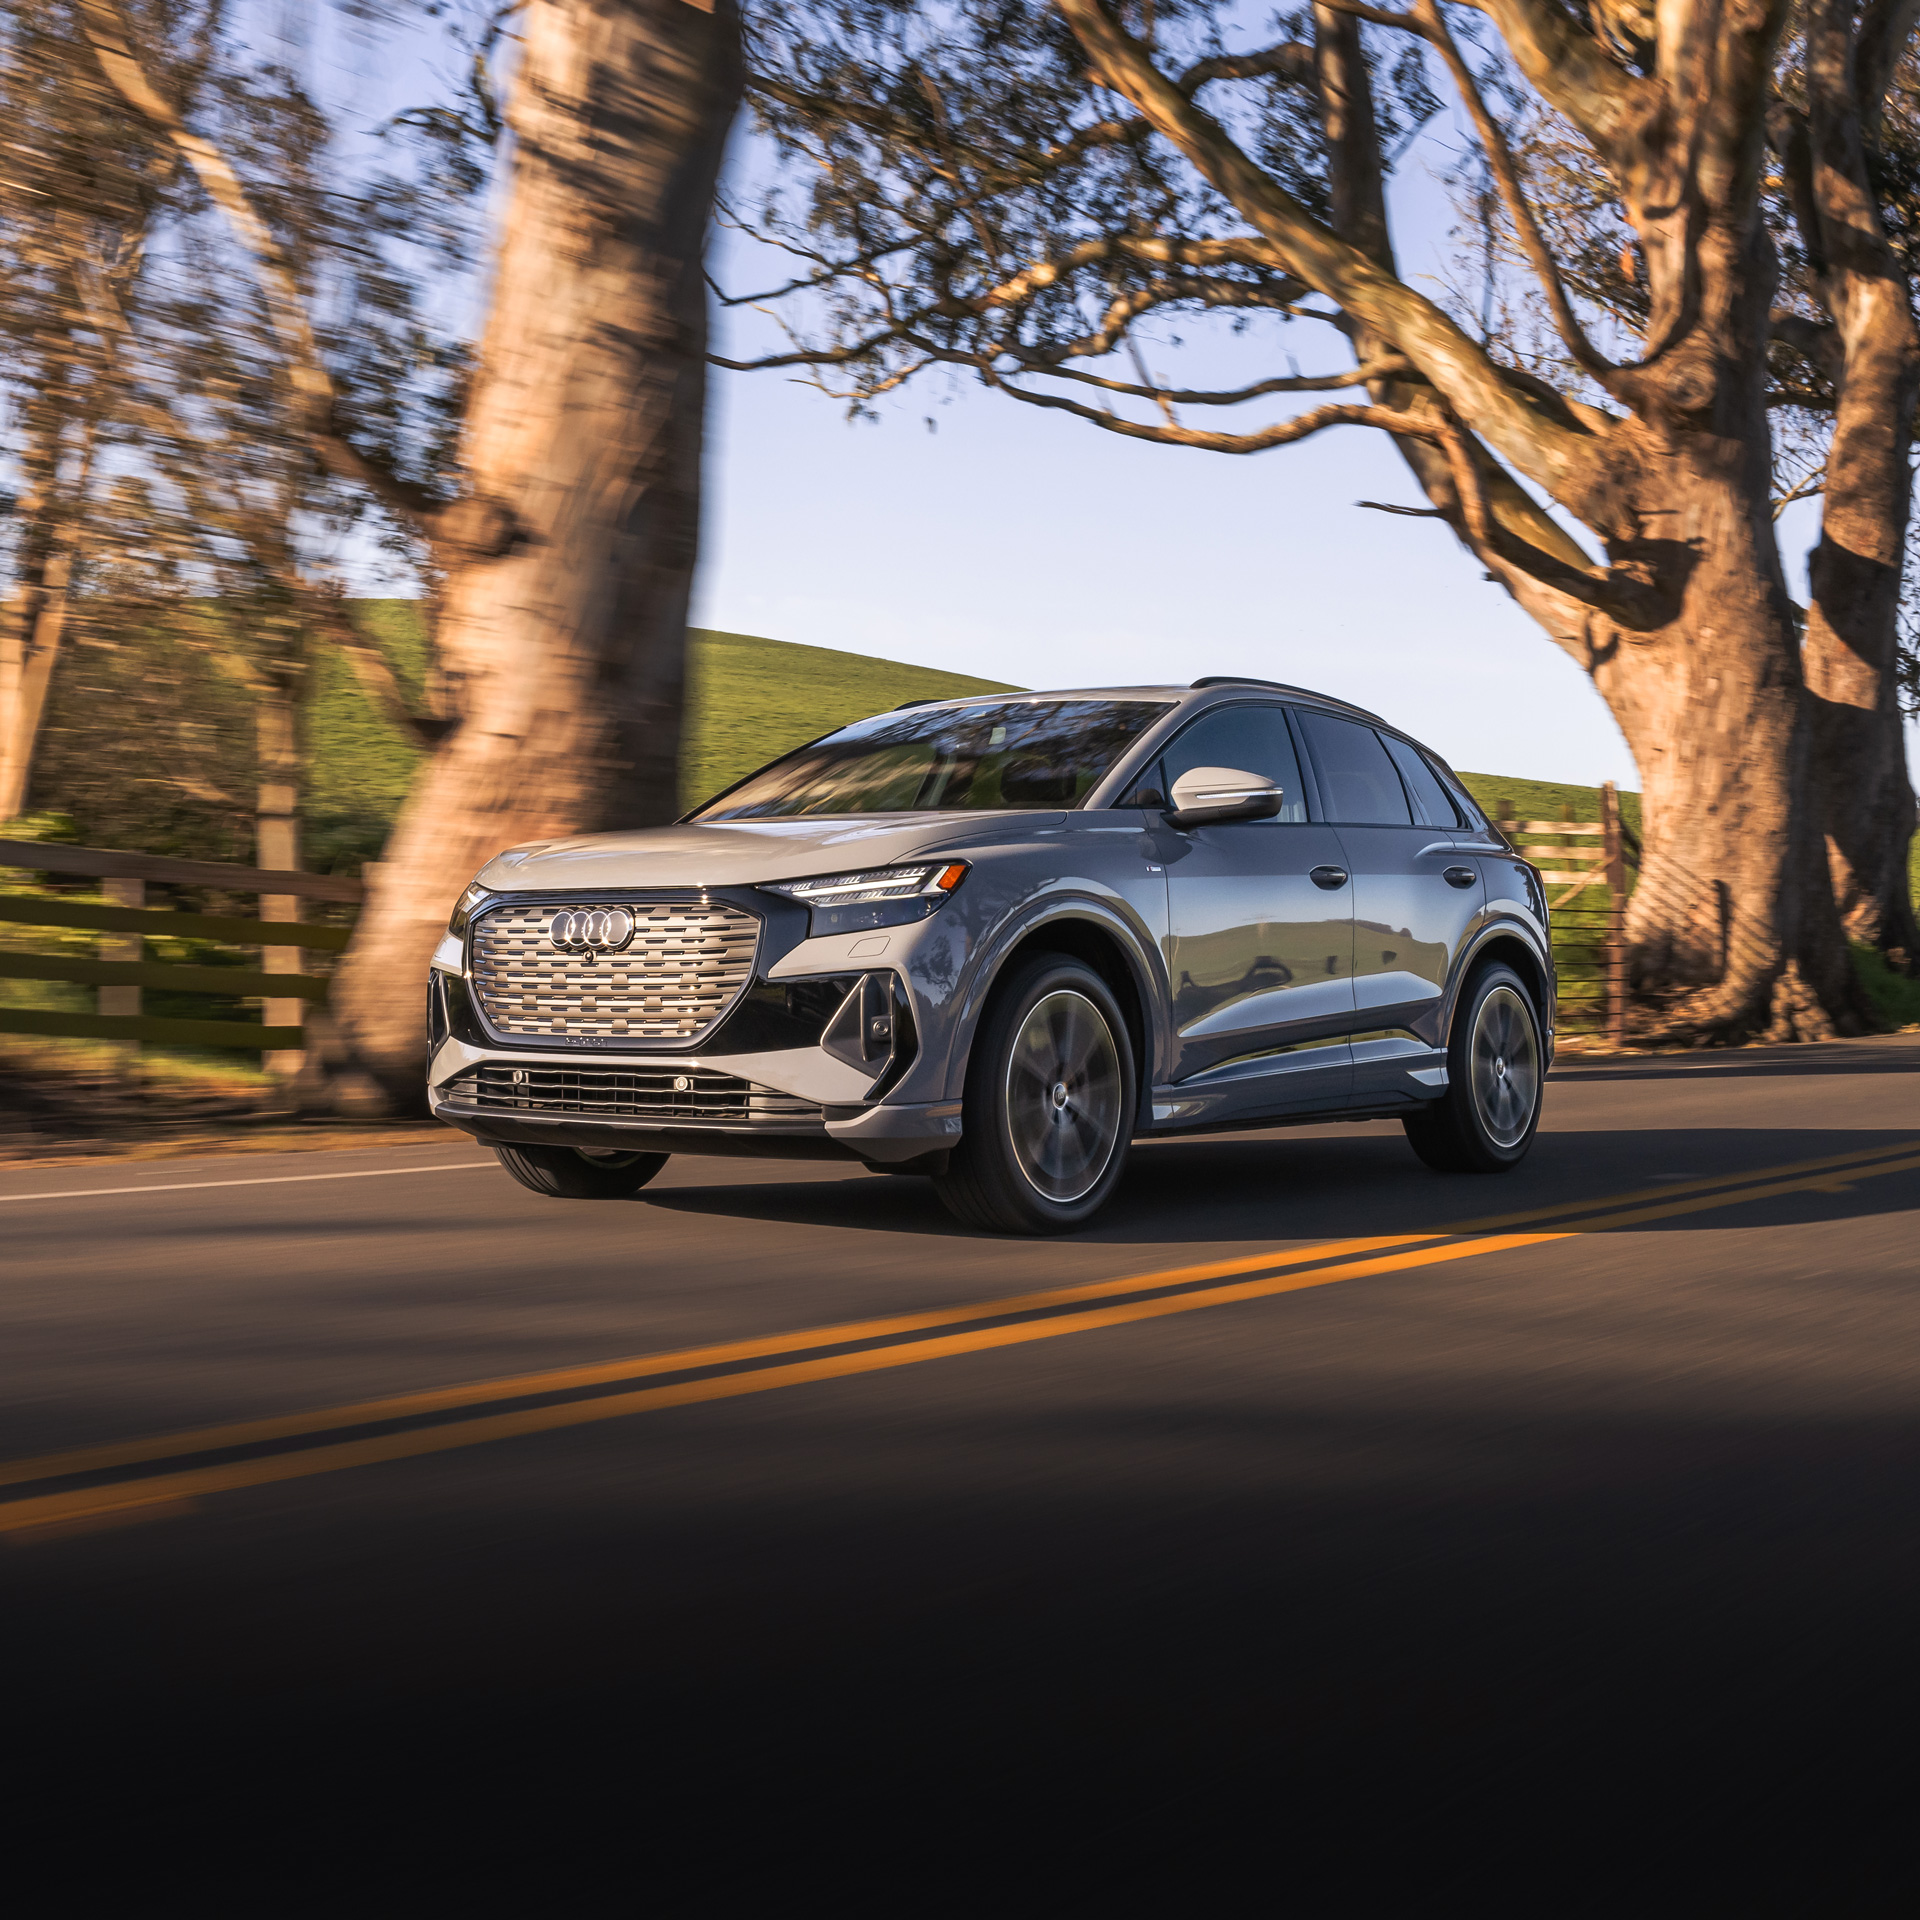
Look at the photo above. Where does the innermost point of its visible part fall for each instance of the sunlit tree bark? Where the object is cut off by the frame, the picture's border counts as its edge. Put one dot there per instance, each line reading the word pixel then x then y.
pixel 564 647
pixel 565 556
pixel 1054 192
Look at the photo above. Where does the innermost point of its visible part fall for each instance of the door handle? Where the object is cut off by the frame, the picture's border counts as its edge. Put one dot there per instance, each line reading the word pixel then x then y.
pixel 1461 876
pixel 1332 878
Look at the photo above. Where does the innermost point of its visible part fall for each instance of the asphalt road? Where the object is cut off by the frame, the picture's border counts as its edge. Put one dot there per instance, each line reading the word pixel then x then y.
pixel 1318 1534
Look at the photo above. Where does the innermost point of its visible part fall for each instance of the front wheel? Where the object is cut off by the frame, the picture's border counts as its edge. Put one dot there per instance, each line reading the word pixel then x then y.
pixel 575 1173
pixel 1485 1121
pixel 1050 1104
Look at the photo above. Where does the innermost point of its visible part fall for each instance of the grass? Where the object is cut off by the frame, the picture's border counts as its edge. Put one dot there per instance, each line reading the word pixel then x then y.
pixel 748 700
pixel 1895 997
pixel 1508 799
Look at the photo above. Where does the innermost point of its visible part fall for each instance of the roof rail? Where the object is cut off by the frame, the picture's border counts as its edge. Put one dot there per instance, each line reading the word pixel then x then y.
pixel 1281 686
pixel 932 700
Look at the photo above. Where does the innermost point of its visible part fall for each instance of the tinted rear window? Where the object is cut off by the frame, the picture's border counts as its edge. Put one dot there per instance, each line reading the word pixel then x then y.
pixel 1433 805
pixel 1357 779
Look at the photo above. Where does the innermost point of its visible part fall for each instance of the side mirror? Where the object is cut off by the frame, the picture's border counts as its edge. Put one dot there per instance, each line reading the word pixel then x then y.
pixel 1203 796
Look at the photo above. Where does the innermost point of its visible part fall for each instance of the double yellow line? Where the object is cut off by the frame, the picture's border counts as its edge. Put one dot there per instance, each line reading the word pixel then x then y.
pixel 445 1418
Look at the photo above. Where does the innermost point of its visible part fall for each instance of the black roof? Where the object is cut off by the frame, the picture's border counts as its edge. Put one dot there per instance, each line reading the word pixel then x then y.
pixel 1281 686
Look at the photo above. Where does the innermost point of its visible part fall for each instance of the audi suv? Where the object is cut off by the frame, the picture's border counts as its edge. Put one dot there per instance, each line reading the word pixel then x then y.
pixel 996 940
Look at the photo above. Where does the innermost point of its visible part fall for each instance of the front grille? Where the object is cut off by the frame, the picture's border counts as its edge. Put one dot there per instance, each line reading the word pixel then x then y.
pixel 685 966
pixel 666 1095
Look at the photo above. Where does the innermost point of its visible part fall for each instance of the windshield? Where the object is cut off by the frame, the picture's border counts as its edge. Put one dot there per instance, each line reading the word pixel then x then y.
pixel 1025 754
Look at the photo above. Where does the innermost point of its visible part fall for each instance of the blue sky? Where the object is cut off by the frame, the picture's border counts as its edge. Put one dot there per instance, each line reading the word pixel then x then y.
pixel 1030 547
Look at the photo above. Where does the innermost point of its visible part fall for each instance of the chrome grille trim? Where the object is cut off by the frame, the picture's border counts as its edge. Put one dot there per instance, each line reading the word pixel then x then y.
pixel 665 1095
pixel 688 962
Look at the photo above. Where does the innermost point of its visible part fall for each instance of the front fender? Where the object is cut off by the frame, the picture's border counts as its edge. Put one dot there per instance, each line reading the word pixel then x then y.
pixel 1138 946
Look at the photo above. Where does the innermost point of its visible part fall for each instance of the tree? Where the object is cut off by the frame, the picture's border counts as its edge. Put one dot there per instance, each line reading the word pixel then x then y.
pixel 563 544
pixel 163 455
pixel 1020 190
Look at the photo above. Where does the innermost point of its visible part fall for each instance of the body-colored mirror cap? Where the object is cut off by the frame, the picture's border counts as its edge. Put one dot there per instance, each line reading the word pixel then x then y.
pixel 1204 795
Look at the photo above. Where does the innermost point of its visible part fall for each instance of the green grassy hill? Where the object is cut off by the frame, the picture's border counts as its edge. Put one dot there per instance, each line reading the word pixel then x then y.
pixel 1508 799
pixel 747 700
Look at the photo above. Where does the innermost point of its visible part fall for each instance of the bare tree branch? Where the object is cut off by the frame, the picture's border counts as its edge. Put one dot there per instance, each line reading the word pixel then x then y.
pixel 1463 372
pixel 1493 142
pixel 472 525
pixel 1289 383
pixel 1573 72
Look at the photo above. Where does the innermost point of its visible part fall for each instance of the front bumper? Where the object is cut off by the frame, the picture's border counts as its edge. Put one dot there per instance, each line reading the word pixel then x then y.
pixel 817 1101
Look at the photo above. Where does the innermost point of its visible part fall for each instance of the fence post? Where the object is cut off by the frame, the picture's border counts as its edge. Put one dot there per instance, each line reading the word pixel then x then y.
pixel 277 840
pixel 1616 915
pixel 123 1001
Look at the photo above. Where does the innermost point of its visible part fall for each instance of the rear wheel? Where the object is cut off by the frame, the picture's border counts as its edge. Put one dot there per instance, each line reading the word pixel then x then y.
pixel 1485 1121
pixel 1050 1104
pixel 578 1173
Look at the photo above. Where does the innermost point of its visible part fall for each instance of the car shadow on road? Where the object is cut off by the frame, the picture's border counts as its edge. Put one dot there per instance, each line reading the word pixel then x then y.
pixel 1282 1186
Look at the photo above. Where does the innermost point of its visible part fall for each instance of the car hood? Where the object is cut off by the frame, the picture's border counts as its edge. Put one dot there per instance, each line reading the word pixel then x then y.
pixel 723 853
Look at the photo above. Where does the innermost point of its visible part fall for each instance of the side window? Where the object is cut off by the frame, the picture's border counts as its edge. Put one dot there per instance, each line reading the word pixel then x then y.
pixel 1433 805
pixel 1248 739
pixel 1472 815
pixel 1357 779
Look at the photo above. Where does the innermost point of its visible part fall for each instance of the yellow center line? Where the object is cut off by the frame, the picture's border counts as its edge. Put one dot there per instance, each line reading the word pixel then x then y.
pixel 1671 1189
pixel 1417 1250
pixel 46 1509
pixel 404 1406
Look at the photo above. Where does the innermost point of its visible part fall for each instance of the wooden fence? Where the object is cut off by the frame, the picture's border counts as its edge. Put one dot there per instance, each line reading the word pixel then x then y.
pixel 122 970
pixel 1585 870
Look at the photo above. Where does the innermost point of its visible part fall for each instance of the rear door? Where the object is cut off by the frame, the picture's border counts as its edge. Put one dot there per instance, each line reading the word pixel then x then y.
pixel 1260 931
pixel 1416 895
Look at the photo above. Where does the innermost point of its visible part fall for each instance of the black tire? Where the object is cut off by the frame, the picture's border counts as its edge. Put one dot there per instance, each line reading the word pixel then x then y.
pixel 567 1173
pixel 1050 1103
pixel 1496 1076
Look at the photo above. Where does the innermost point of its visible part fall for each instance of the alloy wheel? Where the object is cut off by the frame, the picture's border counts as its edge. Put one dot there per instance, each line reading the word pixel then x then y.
pixel 1064 1098
pixel 1505 1066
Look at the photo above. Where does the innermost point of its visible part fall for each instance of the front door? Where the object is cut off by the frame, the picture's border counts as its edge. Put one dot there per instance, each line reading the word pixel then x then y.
pixel 1416 896
pixel 1260 931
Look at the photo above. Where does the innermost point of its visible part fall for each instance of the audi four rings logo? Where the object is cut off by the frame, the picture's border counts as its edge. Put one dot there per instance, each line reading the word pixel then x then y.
pixel 590 929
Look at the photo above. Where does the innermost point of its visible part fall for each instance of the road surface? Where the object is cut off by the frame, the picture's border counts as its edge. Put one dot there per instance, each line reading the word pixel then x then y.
pixel 1317 1533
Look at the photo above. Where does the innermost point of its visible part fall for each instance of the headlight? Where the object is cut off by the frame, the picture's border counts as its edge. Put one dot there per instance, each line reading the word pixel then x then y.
pixel 885 897
pixel 469 903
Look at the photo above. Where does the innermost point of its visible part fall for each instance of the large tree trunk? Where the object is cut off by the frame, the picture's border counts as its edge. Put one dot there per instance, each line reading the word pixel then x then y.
pixel 565 653
pixel 29 649
pixel 1732 932
pixel 1863 796
pixel 1732 928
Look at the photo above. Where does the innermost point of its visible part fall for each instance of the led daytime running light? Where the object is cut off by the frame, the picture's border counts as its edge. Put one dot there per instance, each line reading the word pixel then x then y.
pixel 882 883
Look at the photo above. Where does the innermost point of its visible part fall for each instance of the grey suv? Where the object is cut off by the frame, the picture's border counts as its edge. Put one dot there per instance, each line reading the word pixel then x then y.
pixel 996 940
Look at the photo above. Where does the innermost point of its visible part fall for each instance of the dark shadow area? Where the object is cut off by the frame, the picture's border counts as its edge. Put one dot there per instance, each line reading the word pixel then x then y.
pixel 1388 1657
pixel 1287 1185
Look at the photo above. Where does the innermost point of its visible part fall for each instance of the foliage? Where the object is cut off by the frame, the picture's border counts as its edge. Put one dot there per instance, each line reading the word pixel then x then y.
pixel 1895 996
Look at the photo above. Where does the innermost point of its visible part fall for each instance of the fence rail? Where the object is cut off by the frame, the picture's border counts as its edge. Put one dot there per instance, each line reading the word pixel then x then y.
pixel 121 970
pixel 1589 937
pixel 1589 933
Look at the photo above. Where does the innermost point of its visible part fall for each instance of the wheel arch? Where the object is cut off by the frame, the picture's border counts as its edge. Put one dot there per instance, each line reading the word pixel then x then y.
pixel 1100 940
pixel 1505 942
